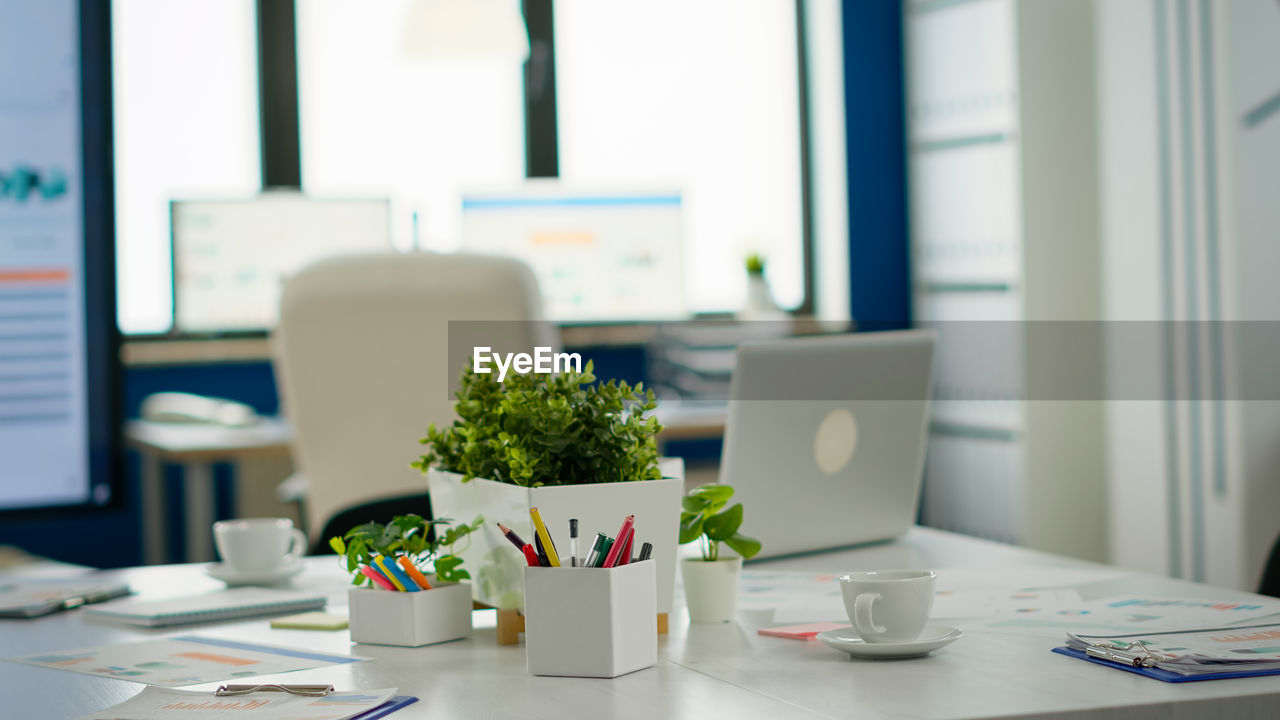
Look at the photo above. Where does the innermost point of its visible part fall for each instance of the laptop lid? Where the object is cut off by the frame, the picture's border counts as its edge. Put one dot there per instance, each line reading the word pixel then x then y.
pixel 825 437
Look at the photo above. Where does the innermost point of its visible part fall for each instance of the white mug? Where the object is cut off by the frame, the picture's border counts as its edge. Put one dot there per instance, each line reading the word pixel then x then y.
pixel 255 545
pixel 890 605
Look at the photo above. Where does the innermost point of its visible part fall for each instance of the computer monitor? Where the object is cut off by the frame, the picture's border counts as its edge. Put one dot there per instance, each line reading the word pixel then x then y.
pixel 230 257
pixel 598 254
pixel 59 348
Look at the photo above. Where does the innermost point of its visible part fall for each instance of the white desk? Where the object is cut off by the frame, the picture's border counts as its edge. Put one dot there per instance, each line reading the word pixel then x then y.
pixel 703 671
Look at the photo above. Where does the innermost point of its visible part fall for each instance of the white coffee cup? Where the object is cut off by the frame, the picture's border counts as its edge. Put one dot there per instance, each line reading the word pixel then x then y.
pixel 258 545
pixel 888 606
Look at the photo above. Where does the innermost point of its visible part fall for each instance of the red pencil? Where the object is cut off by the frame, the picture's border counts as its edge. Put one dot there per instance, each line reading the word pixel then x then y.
pixel 612 558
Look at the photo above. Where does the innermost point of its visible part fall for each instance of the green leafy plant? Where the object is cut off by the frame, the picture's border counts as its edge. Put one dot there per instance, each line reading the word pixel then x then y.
pixel 547 429
pixel 406 535
pixel 755 264
pixel 704 518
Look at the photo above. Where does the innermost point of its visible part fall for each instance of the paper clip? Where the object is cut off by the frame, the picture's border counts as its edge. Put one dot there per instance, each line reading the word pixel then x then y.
pixel 304 690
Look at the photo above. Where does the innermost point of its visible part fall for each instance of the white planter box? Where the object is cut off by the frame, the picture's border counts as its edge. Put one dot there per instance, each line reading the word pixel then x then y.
pixel 410 619
pixel 496 566
pixel 590 622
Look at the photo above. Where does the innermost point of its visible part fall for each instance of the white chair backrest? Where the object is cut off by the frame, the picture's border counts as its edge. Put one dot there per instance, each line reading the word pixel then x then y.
pixel 362 358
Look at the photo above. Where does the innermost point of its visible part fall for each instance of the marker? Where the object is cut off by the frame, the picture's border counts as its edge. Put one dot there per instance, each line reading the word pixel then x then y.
pixel 512 536
pixel 604 552
pixel 624 557
pixel 530 556
pixel 621 548
pixel 547 544
pixel 645 550
pixel 612 558
pixel 414 573
pixel 376 578
pixel 597 548
pixel 395 575
pixel 573 542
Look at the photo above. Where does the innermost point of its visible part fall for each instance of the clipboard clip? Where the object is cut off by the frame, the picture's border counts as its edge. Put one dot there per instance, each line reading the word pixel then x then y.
pixel 1125 654
pixel 303 690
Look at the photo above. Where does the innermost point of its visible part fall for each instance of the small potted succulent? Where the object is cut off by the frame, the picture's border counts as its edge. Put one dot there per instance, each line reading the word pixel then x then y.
pixel 410 588
pixel 711 581
pixel 567 444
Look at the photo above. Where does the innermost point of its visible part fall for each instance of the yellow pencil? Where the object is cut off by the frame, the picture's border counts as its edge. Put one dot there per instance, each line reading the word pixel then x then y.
pixel 547 545
pixel 390 575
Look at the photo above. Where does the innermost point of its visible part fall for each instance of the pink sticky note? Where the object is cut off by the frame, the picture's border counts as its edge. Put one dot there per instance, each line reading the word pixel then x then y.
pixel 802 632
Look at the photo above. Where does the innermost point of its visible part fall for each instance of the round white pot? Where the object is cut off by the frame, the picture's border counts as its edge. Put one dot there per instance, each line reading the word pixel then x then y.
pixel 711 588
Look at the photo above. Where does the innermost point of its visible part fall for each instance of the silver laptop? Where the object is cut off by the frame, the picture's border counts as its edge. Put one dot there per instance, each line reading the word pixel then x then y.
pixel 825 438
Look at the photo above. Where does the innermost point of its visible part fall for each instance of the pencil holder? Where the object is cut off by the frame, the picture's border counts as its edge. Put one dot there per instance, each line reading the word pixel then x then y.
pixel 590 622
pixel 410 619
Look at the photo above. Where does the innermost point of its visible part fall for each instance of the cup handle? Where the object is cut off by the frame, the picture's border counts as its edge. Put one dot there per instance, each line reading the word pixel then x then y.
pixel 297 547
pixel 862 621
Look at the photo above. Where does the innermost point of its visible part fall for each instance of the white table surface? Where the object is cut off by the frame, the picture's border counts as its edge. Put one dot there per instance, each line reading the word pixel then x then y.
pixel 703 671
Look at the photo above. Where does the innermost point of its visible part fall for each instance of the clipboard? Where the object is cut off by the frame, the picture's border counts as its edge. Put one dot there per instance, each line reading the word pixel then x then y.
pixel 158 702
pixel 1162 675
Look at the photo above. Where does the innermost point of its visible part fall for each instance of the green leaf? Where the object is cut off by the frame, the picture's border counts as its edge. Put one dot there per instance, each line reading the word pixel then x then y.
pixel 745 546
pixel 694 503
pixel 720 527
pixel 338 545
pixel 690 527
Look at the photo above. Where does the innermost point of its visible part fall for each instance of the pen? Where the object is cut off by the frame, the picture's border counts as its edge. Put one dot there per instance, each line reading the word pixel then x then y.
pixel 624 557
pixel 414 573
pixel 573 542
pixel 645 550
pixel 530 556
pixel 604 552
pixel 512 536
pixel 620 539
pixel 547 544
pixel 376 578
pixel 596 549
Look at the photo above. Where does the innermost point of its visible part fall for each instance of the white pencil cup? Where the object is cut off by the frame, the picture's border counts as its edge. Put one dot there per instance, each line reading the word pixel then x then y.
pixel 590 622
pixel 410 619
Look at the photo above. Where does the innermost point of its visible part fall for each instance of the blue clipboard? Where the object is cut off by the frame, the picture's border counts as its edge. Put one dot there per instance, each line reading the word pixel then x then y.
pixel 1163 675
pixel 387 707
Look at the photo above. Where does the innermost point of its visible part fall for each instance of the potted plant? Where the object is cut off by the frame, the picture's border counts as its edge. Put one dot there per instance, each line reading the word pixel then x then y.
pixel 566 444
pixel 421 596
pixel 711 581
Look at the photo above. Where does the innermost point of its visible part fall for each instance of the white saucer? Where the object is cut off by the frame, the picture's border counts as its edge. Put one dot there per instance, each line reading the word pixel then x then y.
pixel 269 577
pixel 933 637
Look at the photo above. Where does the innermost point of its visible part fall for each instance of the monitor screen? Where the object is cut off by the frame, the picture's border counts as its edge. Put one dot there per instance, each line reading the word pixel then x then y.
pixel 230 257
pixel 59 426
pixel 599 255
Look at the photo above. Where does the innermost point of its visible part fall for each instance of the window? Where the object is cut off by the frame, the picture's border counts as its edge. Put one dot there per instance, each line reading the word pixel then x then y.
pixel 186 125
pixel 378 119
pixel 703 95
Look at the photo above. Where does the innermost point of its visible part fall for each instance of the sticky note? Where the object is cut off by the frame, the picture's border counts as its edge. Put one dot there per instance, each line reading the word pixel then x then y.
pixel 802 632
pixel 311 621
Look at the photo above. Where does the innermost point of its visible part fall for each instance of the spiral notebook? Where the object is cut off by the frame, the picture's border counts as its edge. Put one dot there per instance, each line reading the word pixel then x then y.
pixel 224 605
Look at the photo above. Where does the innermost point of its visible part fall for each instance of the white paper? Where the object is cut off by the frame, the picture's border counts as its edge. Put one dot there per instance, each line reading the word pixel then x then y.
pixel 185 660
pixel 164 704
pixel 1015 603
pixel 1123 614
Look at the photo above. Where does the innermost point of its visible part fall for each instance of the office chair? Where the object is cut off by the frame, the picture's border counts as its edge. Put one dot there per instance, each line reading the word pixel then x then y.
pixel 365 358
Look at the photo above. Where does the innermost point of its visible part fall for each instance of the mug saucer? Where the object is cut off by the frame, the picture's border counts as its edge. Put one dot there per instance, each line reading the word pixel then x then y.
pixel 232 578
pixel 933 637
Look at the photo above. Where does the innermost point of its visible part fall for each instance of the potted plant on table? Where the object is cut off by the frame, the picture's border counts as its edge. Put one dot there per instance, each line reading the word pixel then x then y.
pixel 410 588
pixel 566 444
pixel 711 581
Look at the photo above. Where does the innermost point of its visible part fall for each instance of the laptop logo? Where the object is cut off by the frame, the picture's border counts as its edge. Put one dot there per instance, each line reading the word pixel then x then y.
pixel 836 441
